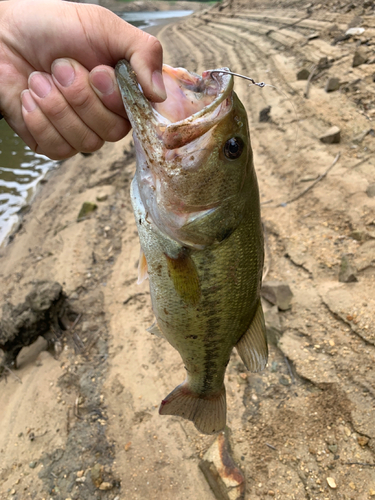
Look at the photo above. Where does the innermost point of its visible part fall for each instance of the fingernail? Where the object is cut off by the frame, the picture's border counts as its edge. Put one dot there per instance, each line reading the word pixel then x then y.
pixel 102 82
pixel 158 85
pixel 39 84
pixel 27 101
pixel 63 71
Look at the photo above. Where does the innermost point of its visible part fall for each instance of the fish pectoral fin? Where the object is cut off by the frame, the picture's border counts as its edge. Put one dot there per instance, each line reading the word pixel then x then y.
pixel 154 329
pixel 142 268
pixel 185 277
pixel 208 413
pixel 252 346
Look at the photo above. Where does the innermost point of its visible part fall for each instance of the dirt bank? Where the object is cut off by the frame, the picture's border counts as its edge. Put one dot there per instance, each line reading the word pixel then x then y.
pixel 82 423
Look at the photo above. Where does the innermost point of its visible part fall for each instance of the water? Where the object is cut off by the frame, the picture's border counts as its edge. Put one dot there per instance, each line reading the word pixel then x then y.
pixel 20 169
pixel 144 20
pixel 20 172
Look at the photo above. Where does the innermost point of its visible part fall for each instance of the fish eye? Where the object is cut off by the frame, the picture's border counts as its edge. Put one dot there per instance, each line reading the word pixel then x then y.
pixel 233 148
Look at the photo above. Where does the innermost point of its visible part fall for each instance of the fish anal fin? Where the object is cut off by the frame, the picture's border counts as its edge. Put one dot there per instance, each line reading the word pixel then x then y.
pixel 154 329
pixel 142 268
pixel 252 346
pixel 185 277
pixel 208 413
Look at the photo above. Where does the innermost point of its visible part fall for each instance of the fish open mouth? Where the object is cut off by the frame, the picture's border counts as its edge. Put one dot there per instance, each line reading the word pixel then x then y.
pixel 193 106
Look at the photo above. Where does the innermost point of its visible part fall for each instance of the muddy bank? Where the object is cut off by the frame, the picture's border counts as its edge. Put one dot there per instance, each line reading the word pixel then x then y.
pixel 81 421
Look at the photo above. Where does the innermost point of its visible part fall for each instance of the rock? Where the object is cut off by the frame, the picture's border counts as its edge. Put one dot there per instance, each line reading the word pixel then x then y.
pixel 331 483
pixel 359 138
pixel 102 197
pixel 42 312
pixel 273 325
pixel 221 472
pixel 264 114
pixel 332 84
pixel 32 465
pixel 360 57
pixel 347 272
pixel 354 31
pixel 303 74
pixel 370 191
pixel 277 293
pixel 96 475
pixel 105 486
pixel 332 448
pixel 323 63
pixel 331 136
pixel 86 209
pixel 363 440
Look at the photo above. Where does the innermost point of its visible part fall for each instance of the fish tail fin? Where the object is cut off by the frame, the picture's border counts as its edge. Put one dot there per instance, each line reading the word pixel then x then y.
pixel 208 413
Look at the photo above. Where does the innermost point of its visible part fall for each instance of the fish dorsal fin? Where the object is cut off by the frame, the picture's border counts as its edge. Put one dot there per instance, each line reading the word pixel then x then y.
pixel 252 346
pixel 142 268
pixel 154 329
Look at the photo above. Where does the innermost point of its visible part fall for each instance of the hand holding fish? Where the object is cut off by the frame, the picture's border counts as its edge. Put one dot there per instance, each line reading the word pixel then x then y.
pixel 58 89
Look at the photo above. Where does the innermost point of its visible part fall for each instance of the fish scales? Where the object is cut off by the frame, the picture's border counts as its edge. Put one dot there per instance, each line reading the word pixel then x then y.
pixel 201 237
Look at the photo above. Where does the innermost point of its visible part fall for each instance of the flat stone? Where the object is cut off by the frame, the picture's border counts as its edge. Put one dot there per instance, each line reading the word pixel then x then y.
pixel 277 293
pixel 264 114
pixel 323 63
pixel 102 197
pixel 331 136
pixel 332 84
pixel 86 209
pixel 355 31
pixel 360 57
pixel 303 74
pixel 347 272
pixel 359 138
pixel 225 478
pixel 273 325
pixel 370 191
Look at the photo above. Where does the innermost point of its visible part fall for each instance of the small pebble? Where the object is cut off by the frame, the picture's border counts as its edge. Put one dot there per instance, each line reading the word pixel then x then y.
pixel 32 465
pixel 80 473
pixel 128 445
pixel 105 486
pixel 362 440
pixel 331 483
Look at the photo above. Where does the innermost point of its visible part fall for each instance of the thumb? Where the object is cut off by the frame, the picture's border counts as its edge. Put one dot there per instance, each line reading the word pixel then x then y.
pixel 124 41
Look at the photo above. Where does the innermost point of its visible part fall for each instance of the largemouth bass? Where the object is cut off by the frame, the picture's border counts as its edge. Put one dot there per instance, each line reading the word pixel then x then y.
pixel 196 204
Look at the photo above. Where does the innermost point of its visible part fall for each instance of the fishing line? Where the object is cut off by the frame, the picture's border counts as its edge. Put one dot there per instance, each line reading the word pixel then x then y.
pixel 262 85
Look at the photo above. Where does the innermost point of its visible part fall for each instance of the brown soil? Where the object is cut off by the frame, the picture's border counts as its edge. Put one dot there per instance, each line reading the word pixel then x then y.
pixel 87 417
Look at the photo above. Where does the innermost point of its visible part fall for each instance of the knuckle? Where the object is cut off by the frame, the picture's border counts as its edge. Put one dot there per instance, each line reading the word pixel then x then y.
pixel 90 143
pixel 57 110
pixel 116 131
pixel 153 44
pixel 81 98
pixel 62 152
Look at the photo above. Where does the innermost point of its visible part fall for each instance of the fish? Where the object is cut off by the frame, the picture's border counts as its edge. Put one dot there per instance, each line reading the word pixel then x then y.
pixel 196 204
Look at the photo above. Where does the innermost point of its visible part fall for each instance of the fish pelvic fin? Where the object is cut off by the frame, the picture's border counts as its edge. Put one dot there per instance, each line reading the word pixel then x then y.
pixel 208 413
pixel 154 329
pixel 185 278
pixel 252 346
pixel 142 268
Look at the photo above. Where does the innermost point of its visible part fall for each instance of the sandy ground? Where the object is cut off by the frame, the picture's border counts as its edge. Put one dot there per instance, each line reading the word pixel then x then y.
pixel 83 423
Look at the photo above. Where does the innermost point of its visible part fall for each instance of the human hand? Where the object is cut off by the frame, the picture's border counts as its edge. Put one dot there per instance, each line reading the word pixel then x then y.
pixel 58 89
